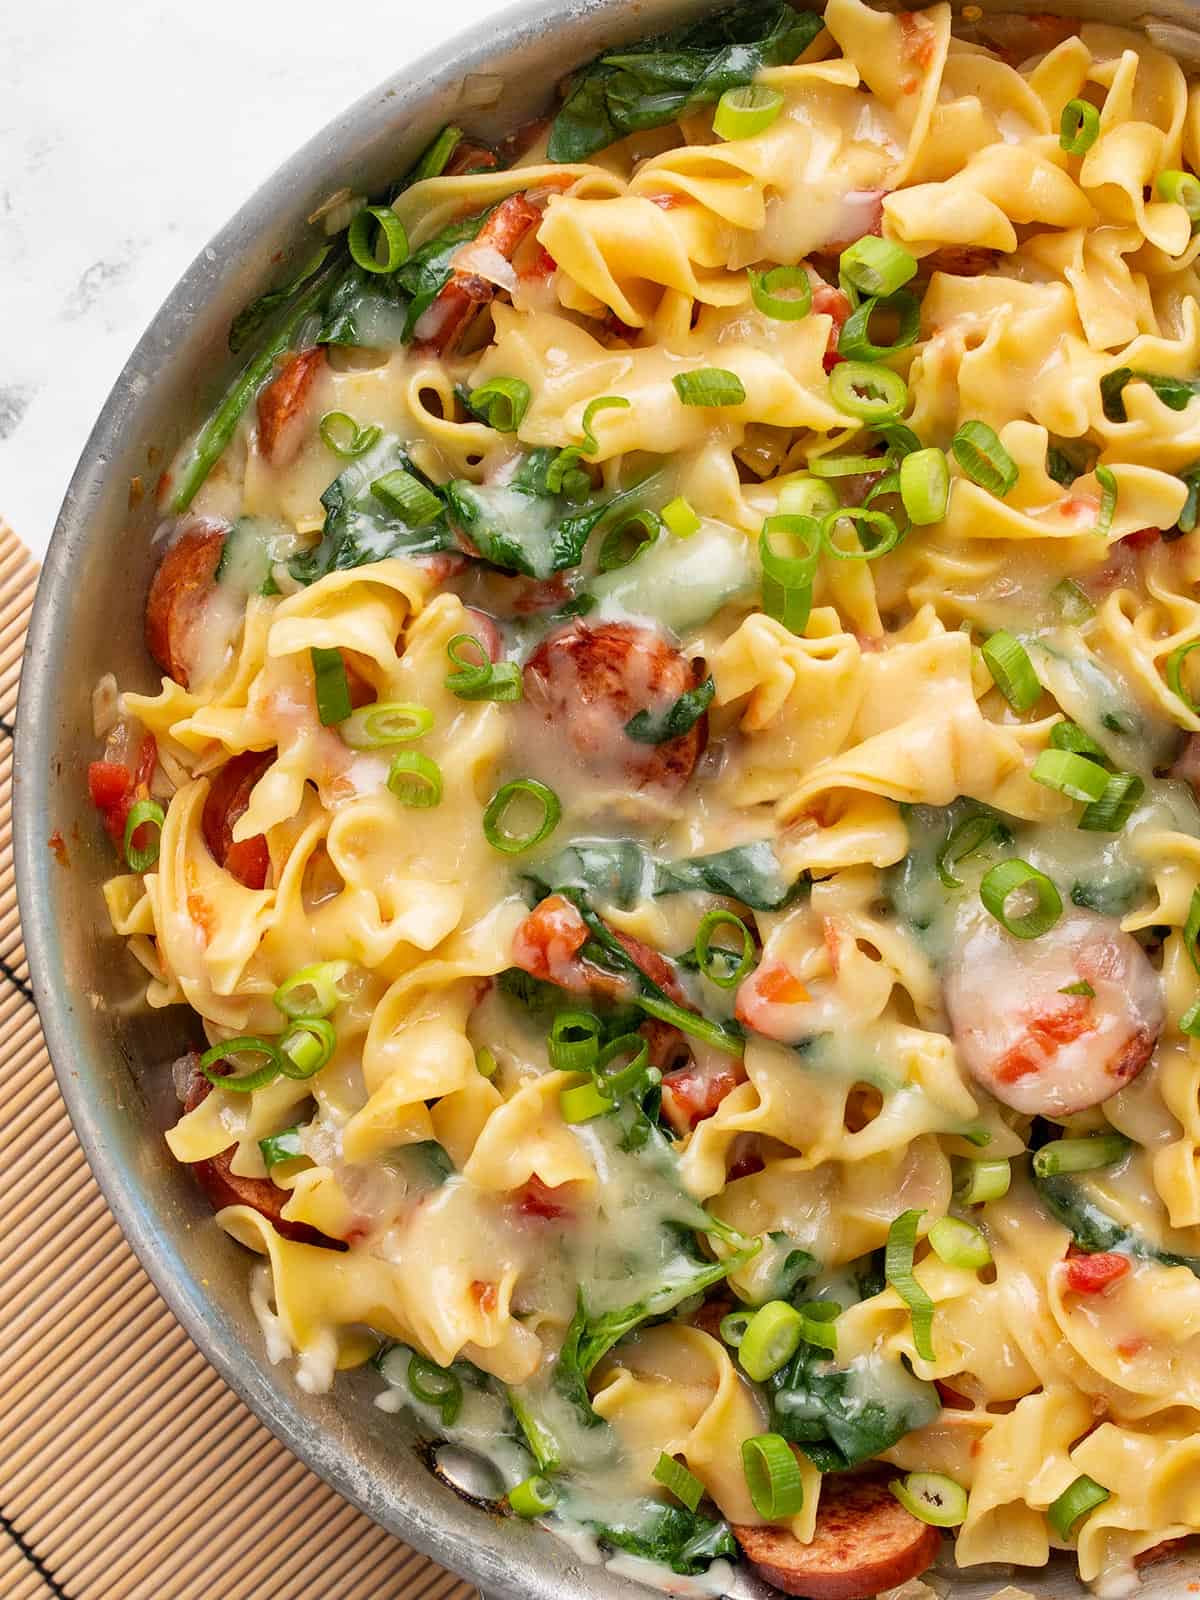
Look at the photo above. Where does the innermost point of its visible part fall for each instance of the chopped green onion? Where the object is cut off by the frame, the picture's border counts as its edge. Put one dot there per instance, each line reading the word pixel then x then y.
pixel 771 1340
pixel 1078 127
pixel 281 1147
pixel 746 110
pixel 435 1386
pixel 958 1243
pixel 772 1477
pixel 712 1033
pixel 515 844
pixel 1005 879
pixel 925 485
pixel 864 389
pixel 1122 795
pixel 1080 1497
pixel 977 1182
pixel 1073 602
pixel 787 580
pixel 931 1497
pixel 534 1498
pixel 784 293
pixel 898 1270
pixel 604 402
pixel 482 678
pixel 709 386
pixel 901 441
pixel 807 497
pixel 1175 674
pixel 503 403
pixel 1070 736
pixel 330 685
pixel 634 1076
pixel 565 477
pixel 312 991
pixel 877 266
pixel 726 977
pixel 341 434
pixel 854 340
pixel 1191 930
pixel 1080 1155
pixel 1012 671
pixel 584 1102
pixel 817 1323
pixel 143 814
pixel 415 780
pixel 306 1047
pixel 684 1485
pixel 386 722
pixel 1181 189
pixel 845 466
pixel 389 249
pixel 860 517
pixel 1108 498
pixel 733 1327
pixel 1083 987
pixel 1189 1022
pixel 574 1041
pixel 680 519
pixel 1070 774
pixel 680 717
pixel 485 1062
pixel 628 540
pixel 243 1082
pixel 408 497
pixel 979 452
pixel 433 162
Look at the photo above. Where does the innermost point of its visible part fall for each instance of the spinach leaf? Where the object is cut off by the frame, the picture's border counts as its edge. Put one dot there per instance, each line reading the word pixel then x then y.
pixel 368 310
pixel 657 727
pixel 1176 393
pixel 686 1541
pixel 1093 1229
pixel 360 527
pixel 750 873
pixel 1068 460
pixel 843 1416
pixel 428 270
pixel 1190 514
pixel 671 73
pixel 618 870
pixel 259 312
pixel 1113 889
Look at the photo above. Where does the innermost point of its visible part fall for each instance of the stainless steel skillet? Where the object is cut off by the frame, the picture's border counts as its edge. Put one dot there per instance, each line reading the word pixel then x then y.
pixel 87 620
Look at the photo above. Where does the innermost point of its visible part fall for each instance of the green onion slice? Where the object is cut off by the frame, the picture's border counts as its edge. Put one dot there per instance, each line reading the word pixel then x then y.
pixel 435 1386
pixel 1078 127
pixel 312 991
pixel 386 722
pixel 485 1062
pixel 898 1270
pixel 1175 674
pixel 680 518
pixel 979 452
pixel 1070 774
pixel 408 497
pixel 1181 189
pixel 503 403
pixel 280 1147
pixel 772 1477
pixel 1189 1022
pixel 724 975
pixel 877 266
pixel 771 1340
pixel 733 1327
pixel 807 497
pixel 964 839
pixel 242 1082
pixel 1080 1155
pixel 433 162
pixel 1108 498
pixel 629 539
pixel 1083 987
pixel 709 386
pixel 1191 930
pixel 1080 1497
pixel 977 1182
pixel 746 110
pixel 864 389
pixel 143 814
pixel 584 1102
pixel 415 780
pixel 1012 671
pixel 787 580
pixel 784 293
pixel 931 1497
pixel 959 1243
pixel 1073 602
pixel 845 466
pixel 1070 736
pixel 684 1485
pixel 500 837
pixel 389 249
pixel 862 518
pixel 854 340
pixel 536 1497
pixel 574 1041
pixel 924 484
pixel 1122 795
pixel 330 685
pixel 341 434
pixel 1003 880
pixel 634 1076
pixel 481 678
pixel 306 1047
pixel 604 402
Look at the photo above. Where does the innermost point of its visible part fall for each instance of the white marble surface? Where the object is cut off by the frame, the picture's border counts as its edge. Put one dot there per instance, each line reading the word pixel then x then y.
pixel 130 130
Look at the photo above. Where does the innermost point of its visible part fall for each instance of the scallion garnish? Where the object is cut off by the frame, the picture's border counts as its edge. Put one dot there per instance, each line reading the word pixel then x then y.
pixel 1072 602
pixel 280 1147
pixel 384 723
pixel 1080 1497
pixel 1012 671
pixel 807 497
pixel 931 1497
pixel 584 1102
pixel 408 497
pixel 388 250
pixel 1181 189
pixel 312 991
pixel 925 485
pixel 1122 795
pixel 500 837
pixel 979 452
pixel 680 518
pixel 877 266
pixel 709 386
pixel 436 1386
pixel 684 1485
pixel 977 1182
pixel 964 839
pixel 1005 879
pixel 771 1340
pixel 772 1477
pixel 680 717
pixel 1070 774
pixel 1189 1022
pixel 143 814
pixel 536 1497
pixel 331 686
pixel 1083 987
pixel 1070 736
pixel 1080 1155
pixel 866 390
pixel 574 1041
pixel 862 518
pixel 748 109
pixel 845 466
pixel 480 678
pixel 629 539
pixel 502 402
pixel 723 972
pixel 732 1327
pixel 1175 674
pixel 959 1243
pixel 787 580
pixel 784 293
pixel 341 434
pixel 433 162
pixel 486 1064
pixel 1108 498
pixel 243 1082
pixel 1191 930
pixel 855 341
pixel 306 1047
pixel 898 1270
pixel 1078 127
pixel 632 1078
pixel 415 780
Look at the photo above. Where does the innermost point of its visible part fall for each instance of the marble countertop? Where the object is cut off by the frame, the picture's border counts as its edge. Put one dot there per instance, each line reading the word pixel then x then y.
pixel 129 133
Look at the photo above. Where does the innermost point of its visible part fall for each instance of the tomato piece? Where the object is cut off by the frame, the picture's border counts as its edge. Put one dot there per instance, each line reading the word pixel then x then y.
pixel 1095 1273
pixel 780 986
pixel 249 861
pixel 1141 538
pixel 108 782
pixel 690 1094
pixel 537 1199
pixel 547 943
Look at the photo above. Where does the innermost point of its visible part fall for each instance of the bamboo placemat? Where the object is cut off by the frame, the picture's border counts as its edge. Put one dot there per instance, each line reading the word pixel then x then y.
pixel 128 1471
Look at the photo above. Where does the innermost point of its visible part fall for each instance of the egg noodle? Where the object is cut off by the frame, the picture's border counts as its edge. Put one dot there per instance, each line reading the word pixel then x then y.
pixel 672 797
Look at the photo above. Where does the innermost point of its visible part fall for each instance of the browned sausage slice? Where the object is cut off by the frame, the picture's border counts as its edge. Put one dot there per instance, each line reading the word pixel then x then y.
pixel 443 324
pixel 865 1541
pixel 249 859
pixel 283 404
pixel 178 592
pixel 588 682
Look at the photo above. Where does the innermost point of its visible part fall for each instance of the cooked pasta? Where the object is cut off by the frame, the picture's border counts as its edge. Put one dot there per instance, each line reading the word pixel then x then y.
pixel 672 800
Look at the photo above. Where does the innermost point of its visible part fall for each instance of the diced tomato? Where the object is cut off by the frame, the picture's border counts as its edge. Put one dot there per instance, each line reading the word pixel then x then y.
pixel 1141 538
pixel 541 264
pixel 669 202
pixel 831 359
pixel 549 940
pixel 108 782
pixel 249 861
pixel 780 986
pixel 114 788
pixel 951 1397
pixel 537 1199
pixel 147 761
pixel 484 1295
pixel 1095 1273
pixel 690 1095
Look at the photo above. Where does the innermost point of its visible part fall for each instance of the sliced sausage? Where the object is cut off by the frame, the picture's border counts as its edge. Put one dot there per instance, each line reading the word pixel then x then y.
pixel 226 1188
pixel 1043 1052
pixel 468 156
pixel 440 328
pixel 587 682
pixel 247 859
pixel 865 1541
pixel 284 404
pixel 179 591
pixel 961 260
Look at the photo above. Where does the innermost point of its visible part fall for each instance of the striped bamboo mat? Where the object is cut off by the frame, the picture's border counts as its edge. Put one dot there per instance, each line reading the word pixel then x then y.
pixel 128 1471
